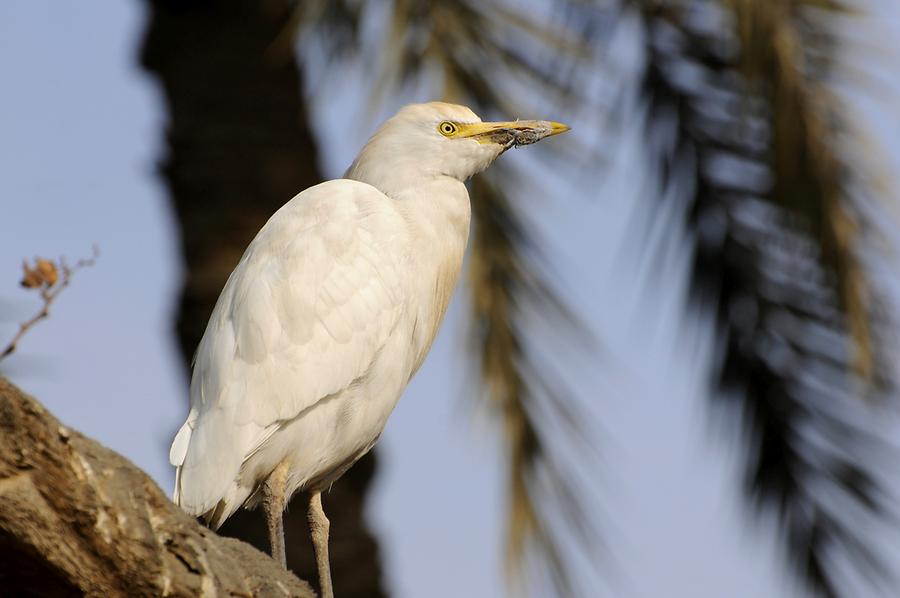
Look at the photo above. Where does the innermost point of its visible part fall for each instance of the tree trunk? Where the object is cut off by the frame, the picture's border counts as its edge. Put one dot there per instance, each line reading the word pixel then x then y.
pixel 239 147
pixel 77 519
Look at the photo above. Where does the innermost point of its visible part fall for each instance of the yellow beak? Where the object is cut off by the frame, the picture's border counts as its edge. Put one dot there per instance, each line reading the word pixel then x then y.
pixel 512 133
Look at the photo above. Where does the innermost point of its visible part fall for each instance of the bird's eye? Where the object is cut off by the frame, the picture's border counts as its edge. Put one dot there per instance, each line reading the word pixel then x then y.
pixel 447 128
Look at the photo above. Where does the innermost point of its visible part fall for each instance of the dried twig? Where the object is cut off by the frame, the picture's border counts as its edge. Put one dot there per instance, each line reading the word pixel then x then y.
pixel 45 276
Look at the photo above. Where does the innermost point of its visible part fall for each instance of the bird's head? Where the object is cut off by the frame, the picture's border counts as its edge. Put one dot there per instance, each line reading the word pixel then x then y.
pixel 440 139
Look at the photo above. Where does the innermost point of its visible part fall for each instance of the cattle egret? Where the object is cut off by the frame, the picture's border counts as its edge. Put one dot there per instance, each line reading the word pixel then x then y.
pixel 327 317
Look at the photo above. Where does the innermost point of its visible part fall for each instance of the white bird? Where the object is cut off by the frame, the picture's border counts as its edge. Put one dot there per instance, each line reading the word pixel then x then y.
pixel 327 317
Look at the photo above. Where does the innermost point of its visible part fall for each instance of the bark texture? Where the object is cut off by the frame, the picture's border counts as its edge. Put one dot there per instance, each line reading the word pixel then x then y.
pixel 78 519
pixel 239 147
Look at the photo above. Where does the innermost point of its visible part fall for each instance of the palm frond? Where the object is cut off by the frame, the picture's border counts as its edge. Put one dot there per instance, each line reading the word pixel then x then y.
pixel 479 49
pixel 809 175
pixel 539 420
pixel 739 106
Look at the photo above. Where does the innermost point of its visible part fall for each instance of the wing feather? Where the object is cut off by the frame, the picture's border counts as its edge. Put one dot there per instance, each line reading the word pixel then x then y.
pixel 302 316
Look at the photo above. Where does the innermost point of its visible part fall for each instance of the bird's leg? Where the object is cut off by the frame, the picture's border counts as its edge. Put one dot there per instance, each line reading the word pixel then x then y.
pixel 318 530
pixel 273 503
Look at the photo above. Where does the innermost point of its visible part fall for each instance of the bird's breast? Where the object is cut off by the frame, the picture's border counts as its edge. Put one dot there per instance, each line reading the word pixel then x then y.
pixel 438 216
pixel 435 290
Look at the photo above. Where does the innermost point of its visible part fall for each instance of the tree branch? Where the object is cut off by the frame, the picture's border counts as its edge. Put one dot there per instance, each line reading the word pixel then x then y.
pixel 79 519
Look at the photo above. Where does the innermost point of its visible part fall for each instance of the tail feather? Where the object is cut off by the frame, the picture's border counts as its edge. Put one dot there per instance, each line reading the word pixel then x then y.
pixel 207 456
pixel 178 452
pixel 216 517
pixel 176 492
pixel 236 497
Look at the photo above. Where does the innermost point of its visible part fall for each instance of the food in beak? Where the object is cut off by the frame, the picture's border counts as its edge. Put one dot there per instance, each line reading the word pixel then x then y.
pixel 531 133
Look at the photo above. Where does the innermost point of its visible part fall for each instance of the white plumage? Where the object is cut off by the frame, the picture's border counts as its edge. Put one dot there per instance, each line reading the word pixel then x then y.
pixel 302 318
pixel 330 312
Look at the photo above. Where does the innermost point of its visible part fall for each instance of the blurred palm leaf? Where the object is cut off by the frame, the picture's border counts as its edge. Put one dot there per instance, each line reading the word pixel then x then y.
pixel 541 424
pixel 743 123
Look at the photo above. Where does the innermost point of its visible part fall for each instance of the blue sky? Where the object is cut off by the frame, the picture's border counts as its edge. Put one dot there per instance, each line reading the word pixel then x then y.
pixel 80 137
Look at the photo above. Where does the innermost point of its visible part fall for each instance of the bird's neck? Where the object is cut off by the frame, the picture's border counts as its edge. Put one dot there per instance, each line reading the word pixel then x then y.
pixel 438 214
pixel 437 207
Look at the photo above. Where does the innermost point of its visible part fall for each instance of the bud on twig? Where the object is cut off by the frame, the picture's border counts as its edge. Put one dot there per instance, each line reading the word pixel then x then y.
pixel 45 275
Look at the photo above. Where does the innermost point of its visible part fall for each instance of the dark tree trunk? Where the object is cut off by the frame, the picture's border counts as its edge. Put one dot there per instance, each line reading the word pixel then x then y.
pixel 239 146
